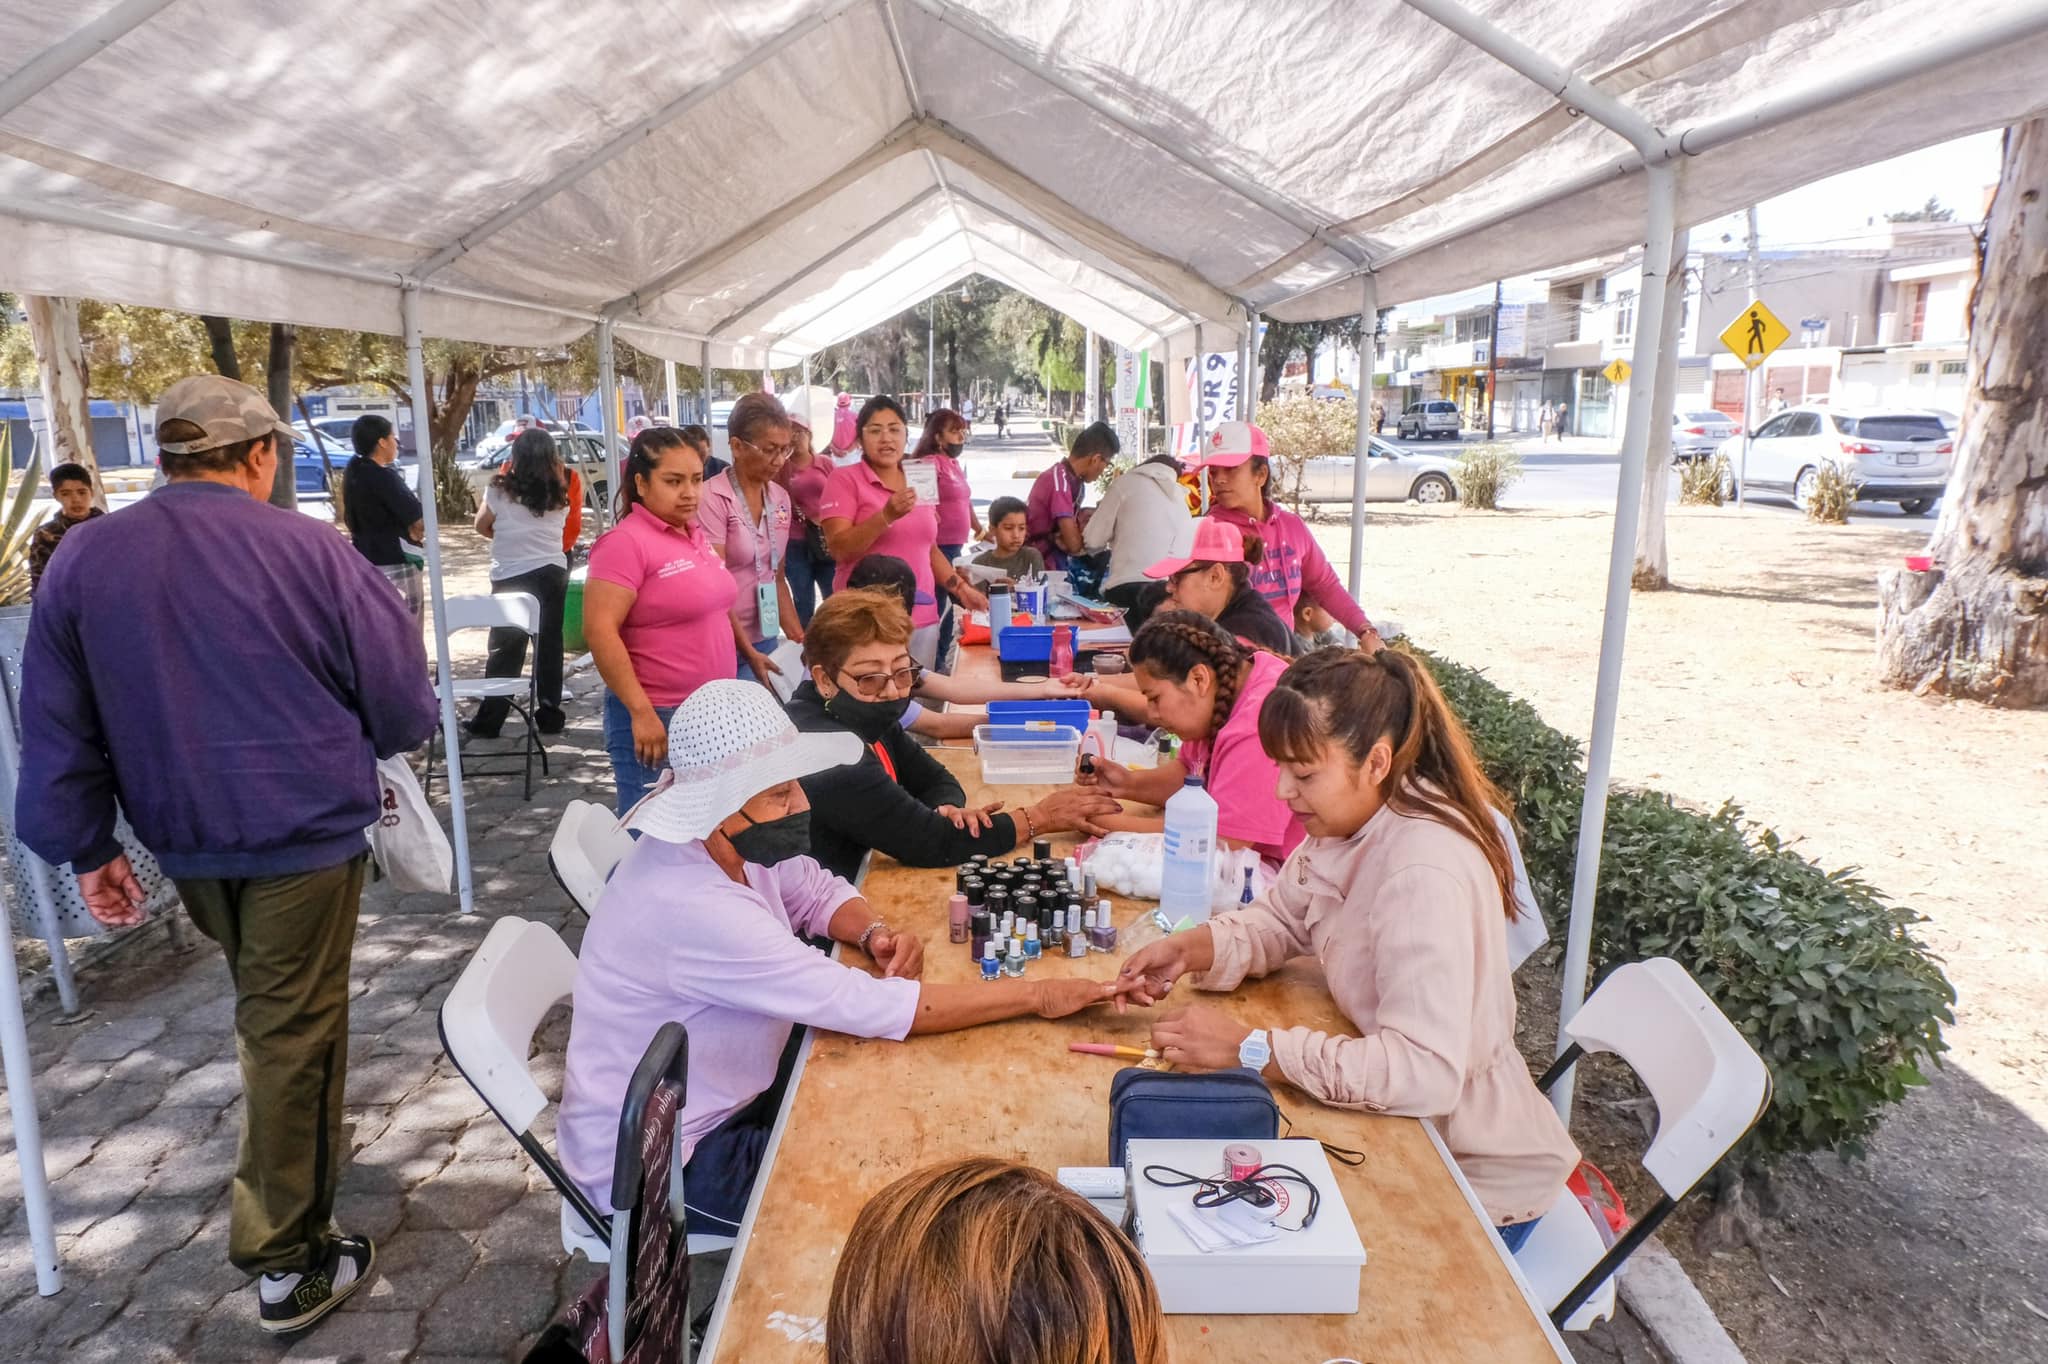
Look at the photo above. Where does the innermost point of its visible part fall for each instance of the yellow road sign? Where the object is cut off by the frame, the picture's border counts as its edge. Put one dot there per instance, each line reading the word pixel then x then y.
pixel 1617 371
pixel 1754 334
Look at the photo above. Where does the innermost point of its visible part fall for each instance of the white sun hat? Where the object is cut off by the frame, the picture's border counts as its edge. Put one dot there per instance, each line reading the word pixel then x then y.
pixel 726 744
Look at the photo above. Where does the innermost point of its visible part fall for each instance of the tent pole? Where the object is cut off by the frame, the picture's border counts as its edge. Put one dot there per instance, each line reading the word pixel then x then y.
pixel 1361 450
pixel 607 410
pixel 1092 377
pixel 444 671
pixel 1248 369
pixel 668 374
pixel 704 388
pixel 28 1129
pixel 1195 398
pixel 1658 249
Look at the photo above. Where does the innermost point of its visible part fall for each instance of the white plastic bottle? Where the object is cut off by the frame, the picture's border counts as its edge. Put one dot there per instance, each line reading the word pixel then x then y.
pixel 1190 862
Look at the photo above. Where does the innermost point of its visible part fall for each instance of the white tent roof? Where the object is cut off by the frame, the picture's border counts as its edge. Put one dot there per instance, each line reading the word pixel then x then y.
pixel 776 175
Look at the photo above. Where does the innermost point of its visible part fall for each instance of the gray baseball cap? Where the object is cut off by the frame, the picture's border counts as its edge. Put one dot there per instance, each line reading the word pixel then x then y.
pixel 229 411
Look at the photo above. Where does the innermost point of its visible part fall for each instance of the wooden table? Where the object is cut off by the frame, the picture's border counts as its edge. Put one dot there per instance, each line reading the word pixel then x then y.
pixel 1437 1284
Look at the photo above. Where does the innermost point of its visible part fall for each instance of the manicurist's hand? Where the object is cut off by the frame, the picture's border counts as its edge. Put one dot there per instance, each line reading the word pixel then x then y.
pixel 1199 1037
pixel 1148 974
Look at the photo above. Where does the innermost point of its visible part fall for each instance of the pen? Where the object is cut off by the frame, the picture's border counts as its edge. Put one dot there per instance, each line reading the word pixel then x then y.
pixel 1109 1049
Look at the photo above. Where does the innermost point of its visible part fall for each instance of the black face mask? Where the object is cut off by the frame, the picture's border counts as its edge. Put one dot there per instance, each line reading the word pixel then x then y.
pixel 953 448
pixel 766 842
pixel 871 720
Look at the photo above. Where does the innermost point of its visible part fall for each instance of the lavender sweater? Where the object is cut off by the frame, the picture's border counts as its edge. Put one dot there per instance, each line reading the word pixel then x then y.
pixel 229 672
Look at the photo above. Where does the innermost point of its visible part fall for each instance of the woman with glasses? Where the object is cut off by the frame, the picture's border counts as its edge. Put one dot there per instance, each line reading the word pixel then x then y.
pixel 1214 579
pixel 869 507
pixel 747 515
pixel 898 799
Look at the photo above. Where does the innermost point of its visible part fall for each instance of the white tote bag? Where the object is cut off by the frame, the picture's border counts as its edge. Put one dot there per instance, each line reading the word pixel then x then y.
pixel 407 840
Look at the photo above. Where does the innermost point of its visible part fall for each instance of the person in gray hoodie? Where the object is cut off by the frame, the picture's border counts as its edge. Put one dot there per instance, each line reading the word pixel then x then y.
pixel 1143 518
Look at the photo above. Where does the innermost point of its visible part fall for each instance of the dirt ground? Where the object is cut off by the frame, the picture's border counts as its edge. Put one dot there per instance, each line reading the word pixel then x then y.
pixel 1751 680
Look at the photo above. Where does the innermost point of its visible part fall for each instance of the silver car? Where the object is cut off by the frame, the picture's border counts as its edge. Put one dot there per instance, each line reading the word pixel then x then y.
pixel 1434 417
pixel 1696 435
pixel 1393 475
pixel 1894 454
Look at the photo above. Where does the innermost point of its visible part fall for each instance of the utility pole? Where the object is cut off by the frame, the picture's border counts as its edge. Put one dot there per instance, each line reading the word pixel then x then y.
pixel 931 324
pixel 1492 359
pixel 1748 377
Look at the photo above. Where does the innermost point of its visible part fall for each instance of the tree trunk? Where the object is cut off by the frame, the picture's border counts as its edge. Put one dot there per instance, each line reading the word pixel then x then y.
pixel 1976 626
pixel 448 404
pixel 1653 566
pixel 60 373
pixel 220 337
pixel 277 384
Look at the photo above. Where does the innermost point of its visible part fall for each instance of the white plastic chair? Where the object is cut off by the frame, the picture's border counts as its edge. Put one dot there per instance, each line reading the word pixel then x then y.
pixel 519 972
pixel 1527 931
pixel 1710 1088
pixel 499 610
pixel 588 843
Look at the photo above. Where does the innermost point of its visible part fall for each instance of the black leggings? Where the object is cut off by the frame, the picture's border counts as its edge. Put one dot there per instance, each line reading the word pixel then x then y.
pixel 550 587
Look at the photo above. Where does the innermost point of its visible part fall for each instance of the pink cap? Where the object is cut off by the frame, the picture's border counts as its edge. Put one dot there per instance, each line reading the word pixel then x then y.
pixel 1216 542
pixel 1231 444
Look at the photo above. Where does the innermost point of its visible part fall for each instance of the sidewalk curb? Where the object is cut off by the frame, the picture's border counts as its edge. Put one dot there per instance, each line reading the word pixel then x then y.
pixel 1661 1296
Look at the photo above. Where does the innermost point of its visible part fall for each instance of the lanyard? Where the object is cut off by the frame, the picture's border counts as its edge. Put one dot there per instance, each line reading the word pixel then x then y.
pixel 764 548
pixel 883 753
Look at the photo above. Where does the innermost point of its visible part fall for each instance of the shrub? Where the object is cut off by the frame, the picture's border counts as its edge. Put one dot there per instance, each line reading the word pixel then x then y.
pixel 1834 488
pixel 1817 970
pixel 1485 472
pixel 1301 429
pixel 1704 482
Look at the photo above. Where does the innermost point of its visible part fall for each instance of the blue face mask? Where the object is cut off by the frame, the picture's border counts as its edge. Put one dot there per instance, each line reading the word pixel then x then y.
pixel 769 841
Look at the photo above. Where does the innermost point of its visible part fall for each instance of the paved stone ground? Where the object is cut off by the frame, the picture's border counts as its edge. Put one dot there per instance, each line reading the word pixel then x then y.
pixel 141 1104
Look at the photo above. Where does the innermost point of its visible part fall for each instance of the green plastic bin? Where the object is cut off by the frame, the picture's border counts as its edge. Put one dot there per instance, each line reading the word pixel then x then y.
pixel 572 613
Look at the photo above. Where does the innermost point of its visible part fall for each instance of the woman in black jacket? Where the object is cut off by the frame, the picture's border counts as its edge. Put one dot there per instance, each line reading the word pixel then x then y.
pixel 898 799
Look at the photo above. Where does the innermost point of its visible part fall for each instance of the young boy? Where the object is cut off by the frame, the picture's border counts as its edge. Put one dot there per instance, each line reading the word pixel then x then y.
pixel 1006 525
pixel 71 485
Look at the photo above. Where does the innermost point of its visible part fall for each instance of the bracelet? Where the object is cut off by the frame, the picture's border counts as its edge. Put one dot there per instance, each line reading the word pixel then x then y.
pixel 869 932
pixel 1030 823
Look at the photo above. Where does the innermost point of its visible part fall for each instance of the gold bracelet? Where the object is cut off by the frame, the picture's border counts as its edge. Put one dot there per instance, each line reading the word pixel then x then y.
pixel 1030 824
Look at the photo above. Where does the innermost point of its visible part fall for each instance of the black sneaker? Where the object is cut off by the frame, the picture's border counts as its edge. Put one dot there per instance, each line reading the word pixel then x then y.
pixel 303 1299
pixel 550 720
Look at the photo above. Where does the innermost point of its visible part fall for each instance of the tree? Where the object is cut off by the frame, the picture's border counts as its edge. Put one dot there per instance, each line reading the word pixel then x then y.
pixel 1933 211
pixel 1285 340
pixel 1653 564
pixel 1976 624
pixel 61 373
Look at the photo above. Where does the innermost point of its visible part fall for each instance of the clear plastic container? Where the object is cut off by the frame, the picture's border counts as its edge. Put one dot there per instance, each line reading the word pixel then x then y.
pixel 1027 754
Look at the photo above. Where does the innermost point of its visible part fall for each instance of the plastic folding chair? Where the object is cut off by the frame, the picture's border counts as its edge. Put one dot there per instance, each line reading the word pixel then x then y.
pixel 1710 1088
pixel 508 611
pixel 588 843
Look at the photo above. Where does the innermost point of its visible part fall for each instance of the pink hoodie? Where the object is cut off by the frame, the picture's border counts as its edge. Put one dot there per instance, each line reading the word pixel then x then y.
pixel 1295 568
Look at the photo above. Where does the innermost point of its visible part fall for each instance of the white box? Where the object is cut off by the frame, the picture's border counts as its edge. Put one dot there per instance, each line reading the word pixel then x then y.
pixel 1027 753
pixel 1315 1269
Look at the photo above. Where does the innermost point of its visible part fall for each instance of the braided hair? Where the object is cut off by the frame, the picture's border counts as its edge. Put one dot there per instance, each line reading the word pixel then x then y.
pixel 1173 643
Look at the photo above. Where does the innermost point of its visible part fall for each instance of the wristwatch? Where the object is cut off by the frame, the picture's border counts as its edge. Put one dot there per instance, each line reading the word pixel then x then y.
pixel 1255 1050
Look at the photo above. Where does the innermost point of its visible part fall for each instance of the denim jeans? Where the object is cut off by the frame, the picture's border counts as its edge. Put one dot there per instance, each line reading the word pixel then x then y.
pixel 946 614
pixel 634 778
pixel 810 580
pixel 1513 1234
pixel 762 646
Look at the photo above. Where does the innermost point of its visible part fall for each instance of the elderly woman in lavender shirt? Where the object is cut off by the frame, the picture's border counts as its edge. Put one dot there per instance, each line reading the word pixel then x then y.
pixel 703 922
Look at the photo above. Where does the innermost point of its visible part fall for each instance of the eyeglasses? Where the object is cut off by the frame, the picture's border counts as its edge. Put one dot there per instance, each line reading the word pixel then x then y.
pixel 870 686
pixel 772 451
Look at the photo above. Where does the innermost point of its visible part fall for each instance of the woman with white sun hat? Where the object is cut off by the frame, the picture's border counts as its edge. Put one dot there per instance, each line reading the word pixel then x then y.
pixel 703 923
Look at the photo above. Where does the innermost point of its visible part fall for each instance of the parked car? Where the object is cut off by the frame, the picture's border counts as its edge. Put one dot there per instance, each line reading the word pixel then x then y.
pixel 492 448
pixel 1697 435
pixel 581 451
pixel 1393 475
pixel 336 431
pixel 1435 417
pixel 1895 454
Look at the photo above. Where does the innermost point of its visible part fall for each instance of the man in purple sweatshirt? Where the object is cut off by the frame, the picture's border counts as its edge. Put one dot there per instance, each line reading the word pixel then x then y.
pixel 229 673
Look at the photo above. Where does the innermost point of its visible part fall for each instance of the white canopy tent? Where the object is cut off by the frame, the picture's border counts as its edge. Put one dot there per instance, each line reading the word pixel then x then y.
pixel 741 184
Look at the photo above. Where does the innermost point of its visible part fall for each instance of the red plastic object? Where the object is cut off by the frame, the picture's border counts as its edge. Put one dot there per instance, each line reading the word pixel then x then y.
pixel 1920 563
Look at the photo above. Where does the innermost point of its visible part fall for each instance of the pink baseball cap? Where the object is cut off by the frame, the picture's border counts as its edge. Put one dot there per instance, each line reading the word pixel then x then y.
pixel 1231 444
pixel 1216 542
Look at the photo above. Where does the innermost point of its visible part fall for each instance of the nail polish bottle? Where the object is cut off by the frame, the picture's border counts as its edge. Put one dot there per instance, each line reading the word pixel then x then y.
pixel 976 893
pixel 956 918
pixel 1077 936
pixel 1088 928
pixel 1026 906
pixel 1041 848
pixel 1013 965
pixel 960 875
pixel 1088 887
pixel 990 967
pixel 1103 939
pixel 1053 933
pixel 1073 875
pixel 979 932
pixel 1033 947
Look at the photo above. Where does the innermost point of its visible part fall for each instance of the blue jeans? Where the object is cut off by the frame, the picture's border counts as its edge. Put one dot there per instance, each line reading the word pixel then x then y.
pixel 946 609
pixel 1514 1233
pixel 634 777
pixel 810 580
pixel 763 646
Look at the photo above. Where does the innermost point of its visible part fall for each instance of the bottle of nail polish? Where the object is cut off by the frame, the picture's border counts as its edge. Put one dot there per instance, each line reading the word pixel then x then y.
pixel 1013 965
pixel 1088 928
pixel 1033 947
pixel 1077 936
pixel 1088 887
pixel 1103 939
pixel 1041 848
pixel 979 931
pixel 1073 870
pixel 1054 933
pixel 956 918
pixel 990 967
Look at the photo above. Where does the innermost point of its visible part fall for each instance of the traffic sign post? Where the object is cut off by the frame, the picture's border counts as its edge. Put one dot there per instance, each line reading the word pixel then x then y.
pixel 1750 338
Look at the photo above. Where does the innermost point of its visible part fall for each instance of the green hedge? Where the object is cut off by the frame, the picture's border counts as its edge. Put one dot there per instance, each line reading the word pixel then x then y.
pixel 1822 975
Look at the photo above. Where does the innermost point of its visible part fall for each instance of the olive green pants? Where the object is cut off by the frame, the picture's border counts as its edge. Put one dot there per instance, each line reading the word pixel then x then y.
pixel 287 940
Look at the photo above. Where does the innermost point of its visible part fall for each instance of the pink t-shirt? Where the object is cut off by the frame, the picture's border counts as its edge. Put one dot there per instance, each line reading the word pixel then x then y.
pixel 1295 567
pixel 806 486
pixel 1240 776
pixel 678 630
pixel 1054 496
pixel 856 493
pixel 679 939
pixel 754 550
pixel 956 501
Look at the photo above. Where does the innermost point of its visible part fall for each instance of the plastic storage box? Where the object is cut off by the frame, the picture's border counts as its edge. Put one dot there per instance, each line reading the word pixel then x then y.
pixel 1035 752
pixel 1026 644
pixel 1074 713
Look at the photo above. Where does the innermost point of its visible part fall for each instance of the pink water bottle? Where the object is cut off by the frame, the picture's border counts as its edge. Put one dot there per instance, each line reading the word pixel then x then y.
pixel 1062 650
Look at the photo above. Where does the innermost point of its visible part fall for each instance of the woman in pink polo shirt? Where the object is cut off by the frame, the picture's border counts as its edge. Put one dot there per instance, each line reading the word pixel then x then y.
pixel 657 610
pixel 747 515
pixel 1237 459
pixel 869 507
pixel 1203 684
pixel 945 436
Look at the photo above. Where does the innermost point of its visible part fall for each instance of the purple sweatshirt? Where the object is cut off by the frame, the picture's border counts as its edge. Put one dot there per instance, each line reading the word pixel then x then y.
pixel 229 672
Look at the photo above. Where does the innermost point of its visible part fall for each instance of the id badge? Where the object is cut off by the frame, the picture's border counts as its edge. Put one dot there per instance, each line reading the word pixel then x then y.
pixel 771 616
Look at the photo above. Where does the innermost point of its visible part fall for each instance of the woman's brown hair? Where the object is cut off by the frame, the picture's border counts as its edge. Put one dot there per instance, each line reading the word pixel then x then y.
pixel 752 412
pixel 941 420
pixel 850 620
pixel 643 457
pixel 1356 699
pixel 1173 643
pixel 983 1261
pixel 1241 571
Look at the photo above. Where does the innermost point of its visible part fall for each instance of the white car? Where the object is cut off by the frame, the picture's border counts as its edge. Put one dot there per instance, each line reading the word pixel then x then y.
pixel 1435 417
pixel 1895 454
pixel 1696 435
pixel 1393 475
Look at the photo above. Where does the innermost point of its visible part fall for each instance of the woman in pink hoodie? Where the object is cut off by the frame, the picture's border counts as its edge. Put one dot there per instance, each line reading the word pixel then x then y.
pixel 1403 890
pixel 1237 458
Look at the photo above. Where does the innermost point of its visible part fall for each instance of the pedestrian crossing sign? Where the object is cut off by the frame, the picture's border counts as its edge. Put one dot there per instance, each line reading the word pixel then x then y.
pixel 1617 371
pixel 1754 334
